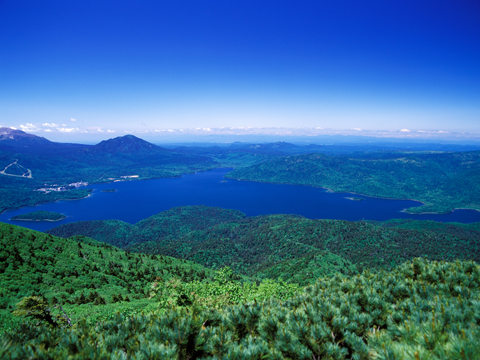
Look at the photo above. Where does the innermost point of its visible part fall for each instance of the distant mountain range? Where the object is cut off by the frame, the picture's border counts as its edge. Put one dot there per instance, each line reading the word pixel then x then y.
pixel 22 142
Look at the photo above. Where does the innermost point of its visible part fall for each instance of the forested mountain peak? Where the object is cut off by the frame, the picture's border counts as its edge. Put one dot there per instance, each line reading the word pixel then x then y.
pixel 128 144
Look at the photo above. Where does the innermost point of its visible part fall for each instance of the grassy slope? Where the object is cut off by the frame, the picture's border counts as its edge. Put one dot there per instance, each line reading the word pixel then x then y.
pixel 442 181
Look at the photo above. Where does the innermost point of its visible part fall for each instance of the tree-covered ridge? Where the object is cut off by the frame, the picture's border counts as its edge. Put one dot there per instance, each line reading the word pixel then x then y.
pixel 113 232
pixel 419 310
pixel 442 181
pixel 39 216
pixel 176 222
pixel 166 226
pixel 283 246
pixel 259 246
pixel 453 228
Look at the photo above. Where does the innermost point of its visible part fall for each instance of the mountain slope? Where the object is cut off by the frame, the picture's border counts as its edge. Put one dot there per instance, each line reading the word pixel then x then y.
pixel 18 138
pixel 18 141
pixel 79 272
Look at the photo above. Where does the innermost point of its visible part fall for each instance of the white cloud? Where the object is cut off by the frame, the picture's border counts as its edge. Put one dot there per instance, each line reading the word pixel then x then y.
pixel 170 130
pixel 51 125
pixel 442 132
pixel 357 129
pixel 29 127
pixel 421 131
pixel 110 131
pixel 64 124
pixel 48 130
pixel 14 128
pixel 67 130
pixel 405 130
pixel 72 119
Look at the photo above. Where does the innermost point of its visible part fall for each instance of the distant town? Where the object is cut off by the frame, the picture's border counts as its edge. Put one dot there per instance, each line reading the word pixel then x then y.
pixel 56 187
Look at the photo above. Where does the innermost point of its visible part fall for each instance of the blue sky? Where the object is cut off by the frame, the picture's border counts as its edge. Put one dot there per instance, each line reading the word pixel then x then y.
pixel 77 69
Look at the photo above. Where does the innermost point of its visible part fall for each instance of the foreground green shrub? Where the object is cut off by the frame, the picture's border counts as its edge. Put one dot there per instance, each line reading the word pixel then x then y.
pixel 420 310
pixel 221 292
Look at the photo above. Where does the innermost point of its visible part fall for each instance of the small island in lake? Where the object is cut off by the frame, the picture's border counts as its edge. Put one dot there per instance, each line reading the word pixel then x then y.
pixel 109 190
pixel 355 198
pixel 39 216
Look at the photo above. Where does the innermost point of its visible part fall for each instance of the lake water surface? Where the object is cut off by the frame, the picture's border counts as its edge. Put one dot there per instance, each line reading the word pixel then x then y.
pixel 137 200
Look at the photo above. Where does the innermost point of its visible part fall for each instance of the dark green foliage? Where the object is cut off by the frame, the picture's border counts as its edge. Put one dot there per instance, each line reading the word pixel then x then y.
pixel 301 250
pixel 39 216
pixel 113 232
pixel 166 226
pixel 420 310
pixel 442 181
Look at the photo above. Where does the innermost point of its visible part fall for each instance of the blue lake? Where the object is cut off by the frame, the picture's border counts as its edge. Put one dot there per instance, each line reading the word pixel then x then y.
pixel 136 200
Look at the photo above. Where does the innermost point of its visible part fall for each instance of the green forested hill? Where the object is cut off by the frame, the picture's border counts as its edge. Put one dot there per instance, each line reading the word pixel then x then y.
pixel 174 223
pixel 128 305
pixel 32 262
pixel 113 232
pixel 286 246
pixel 442 181
pixel 166 226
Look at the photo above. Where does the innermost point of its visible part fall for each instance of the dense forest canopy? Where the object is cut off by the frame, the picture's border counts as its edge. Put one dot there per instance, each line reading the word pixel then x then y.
pixel 283 246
